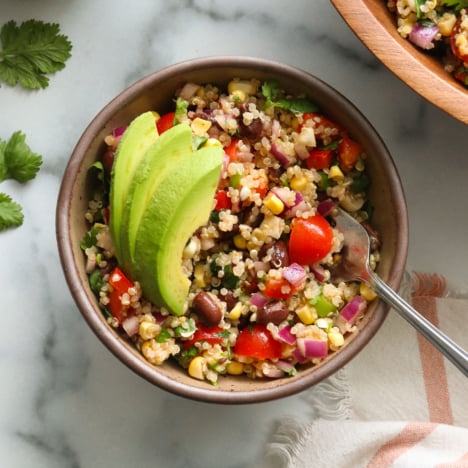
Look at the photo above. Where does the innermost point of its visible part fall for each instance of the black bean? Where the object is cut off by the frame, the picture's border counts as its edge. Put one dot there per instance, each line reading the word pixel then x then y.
pixel 253 130
pixel 207 309
pixel 229 299
pixel 252 216
pixel 278 252
pixel 274 312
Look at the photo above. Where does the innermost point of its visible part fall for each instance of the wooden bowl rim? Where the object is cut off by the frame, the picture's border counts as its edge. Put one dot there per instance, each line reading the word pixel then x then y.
pixel 374 25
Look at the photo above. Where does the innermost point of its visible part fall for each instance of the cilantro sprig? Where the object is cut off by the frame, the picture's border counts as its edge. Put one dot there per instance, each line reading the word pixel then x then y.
pixel 19 163
pixel 31 51
pixel 272 92
pixel 456 4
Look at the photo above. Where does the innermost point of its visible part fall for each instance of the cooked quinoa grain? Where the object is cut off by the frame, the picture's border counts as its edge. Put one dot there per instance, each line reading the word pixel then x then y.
pixel 261 303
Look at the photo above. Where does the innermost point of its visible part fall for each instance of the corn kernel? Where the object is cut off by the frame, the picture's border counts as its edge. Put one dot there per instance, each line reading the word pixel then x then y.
pixel 240 242
pixel 306 314
pixel 235 368
pixel 148 330
pixel 335 173
pixel 196 368
pixel 246 86
pixel 200 92
pixel 366 292
pixel 199 276
pixel 200 126
pixel 299 183
pixel 336 339
pixel 239 95
pixel 156 115
pixel 212 142
pixel 273 203
pixel 235 312
pixel 446 24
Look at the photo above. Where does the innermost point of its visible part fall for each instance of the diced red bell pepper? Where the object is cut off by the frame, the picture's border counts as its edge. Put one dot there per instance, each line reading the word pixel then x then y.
pixel 120 285
pixel 232 149
pixel 212 335
pixel 319 159
pixel 165 122
pixel 348 153
pixel 223 202
pixel 278 288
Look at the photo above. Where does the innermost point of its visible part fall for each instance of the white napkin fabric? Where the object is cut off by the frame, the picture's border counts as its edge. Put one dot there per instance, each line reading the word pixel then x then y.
pixel 399 403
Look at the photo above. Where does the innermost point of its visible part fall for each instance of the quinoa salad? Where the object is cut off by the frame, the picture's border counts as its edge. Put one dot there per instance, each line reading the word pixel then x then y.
pixel 438 27
pixel 261 302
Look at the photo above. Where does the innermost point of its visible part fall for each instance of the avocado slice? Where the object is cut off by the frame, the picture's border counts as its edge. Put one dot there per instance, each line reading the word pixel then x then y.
pixel 137 138
pixel 180 205
pixel 159 159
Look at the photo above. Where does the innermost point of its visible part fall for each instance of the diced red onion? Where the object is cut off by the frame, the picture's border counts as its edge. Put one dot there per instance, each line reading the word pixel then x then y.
pixel 318 271
pixel 294 274
pixel 283 194
pixel 131 325
pixel 188 91
pixel 298 356
pixel 272 371
pixel 285 335
pixel 275 129
pixel 299 203
pixel 311 348
pixel 258 300
pixel 422 36
pixel 285 366
pixel 159 317
pixel 282 158
pixel 352 309
pixel 325 206
pixel 119 131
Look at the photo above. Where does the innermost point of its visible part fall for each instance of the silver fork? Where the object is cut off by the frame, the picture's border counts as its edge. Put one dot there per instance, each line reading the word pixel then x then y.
pixel 355 266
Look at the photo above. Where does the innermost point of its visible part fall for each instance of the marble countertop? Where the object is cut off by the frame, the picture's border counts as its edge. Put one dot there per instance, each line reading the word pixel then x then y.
pixel 65 401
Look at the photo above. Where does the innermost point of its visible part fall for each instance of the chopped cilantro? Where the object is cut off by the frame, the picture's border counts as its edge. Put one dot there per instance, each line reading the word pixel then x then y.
pixel 272 92
pixel 456 4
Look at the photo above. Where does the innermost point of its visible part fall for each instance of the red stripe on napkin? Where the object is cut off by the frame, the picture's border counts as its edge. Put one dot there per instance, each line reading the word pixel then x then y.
pixel 433 367
pixel 411 435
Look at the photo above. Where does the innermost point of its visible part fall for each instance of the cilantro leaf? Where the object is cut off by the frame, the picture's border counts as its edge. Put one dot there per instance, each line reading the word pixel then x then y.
pixel 31 51
pixel 11 214
pixel 272 92
pixel 456 4
pixel 17 161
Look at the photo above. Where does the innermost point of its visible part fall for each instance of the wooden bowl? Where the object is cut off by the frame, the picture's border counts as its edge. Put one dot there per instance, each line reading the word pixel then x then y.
pixel 375 26
pixel 155 92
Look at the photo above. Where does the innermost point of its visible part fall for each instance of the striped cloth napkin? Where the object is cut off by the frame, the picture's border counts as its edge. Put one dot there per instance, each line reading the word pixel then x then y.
pixel 399 403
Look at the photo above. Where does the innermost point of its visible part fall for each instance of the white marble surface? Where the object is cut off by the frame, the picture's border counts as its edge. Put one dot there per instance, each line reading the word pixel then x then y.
pixel 64 400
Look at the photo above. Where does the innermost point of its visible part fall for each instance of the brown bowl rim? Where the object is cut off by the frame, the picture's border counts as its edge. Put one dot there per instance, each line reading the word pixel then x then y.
pixel 111 340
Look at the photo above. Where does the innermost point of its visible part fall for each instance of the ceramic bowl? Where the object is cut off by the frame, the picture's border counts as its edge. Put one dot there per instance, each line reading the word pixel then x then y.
pixel 155 92
pixel 375 26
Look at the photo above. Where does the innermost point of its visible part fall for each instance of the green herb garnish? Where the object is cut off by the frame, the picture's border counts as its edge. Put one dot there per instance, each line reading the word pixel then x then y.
pixel 272 93
pixel 19 163
pixel 30 52
pixel 456 4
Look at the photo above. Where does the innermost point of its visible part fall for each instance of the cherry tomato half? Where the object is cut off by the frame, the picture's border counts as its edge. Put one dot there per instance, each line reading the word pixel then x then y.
pixel 165 122
pixel 311 240
pixel 257 342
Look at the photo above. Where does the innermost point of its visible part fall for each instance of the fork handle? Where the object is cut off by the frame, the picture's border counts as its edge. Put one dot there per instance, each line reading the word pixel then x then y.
pixel 452 351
